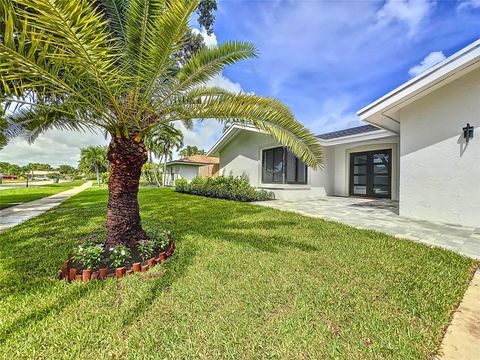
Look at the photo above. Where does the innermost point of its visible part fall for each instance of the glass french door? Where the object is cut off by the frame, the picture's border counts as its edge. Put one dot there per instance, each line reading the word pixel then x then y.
pixel 371 173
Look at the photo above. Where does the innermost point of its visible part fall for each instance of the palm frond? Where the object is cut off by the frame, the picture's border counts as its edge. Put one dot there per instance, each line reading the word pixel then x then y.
pixel 170 27
pixel 79 38
pixel 32 121
pixel 210 61
pixel 266 114
pixel 116 15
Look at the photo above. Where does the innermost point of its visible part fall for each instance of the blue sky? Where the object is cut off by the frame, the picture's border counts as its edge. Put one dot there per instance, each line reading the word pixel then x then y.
pixel 324 59
pixel 327 59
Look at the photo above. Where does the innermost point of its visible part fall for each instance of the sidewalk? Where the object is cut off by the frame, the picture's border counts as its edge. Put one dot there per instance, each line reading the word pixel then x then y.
pixel 462 339
pixel 17 214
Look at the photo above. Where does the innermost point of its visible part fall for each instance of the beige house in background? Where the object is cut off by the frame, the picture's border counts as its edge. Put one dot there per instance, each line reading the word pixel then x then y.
pixel 190 167
pixel 419 147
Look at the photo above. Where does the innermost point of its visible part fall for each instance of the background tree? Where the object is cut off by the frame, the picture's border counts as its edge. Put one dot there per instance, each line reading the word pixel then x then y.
pixel 163 140
pixel 94 158
pixel 115 70
pixel 66 170
pixel 206 16
pixel 9 169
pixel 3 129
pixel 39 166
pixel 190 151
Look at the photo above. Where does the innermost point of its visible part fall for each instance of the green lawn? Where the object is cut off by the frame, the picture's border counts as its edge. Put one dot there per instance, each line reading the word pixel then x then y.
pixel 15 196
pixel 246 282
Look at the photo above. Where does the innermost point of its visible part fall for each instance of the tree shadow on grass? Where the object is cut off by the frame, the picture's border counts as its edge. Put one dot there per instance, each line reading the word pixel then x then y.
pixel 33 252
pixel 174 269
pixel 226 220
pixel 61 300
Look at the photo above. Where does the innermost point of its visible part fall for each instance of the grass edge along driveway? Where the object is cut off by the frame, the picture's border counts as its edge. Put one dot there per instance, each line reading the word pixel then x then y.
pixel 20 195
pixel 245 282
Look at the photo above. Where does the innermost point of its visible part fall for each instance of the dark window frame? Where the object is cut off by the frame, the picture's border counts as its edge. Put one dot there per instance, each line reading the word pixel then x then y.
pixel 370 174
pixel 284 168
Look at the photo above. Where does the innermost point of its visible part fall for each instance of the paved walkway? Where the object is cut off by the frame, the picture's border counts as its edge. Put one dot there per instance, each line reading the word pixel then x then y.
pixel 462 339
pixel 17 214
pixel 382 215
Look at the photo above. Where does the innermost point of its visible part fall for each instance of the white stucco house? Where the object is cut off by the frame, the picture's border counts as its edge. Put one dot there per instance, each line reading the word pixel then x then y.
pixel 190 167
pixel 420 145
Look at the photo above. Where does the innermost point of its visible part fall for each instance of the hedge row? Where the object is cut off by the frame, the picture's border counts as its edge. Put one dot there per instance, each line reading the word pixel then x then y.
pixel 222 187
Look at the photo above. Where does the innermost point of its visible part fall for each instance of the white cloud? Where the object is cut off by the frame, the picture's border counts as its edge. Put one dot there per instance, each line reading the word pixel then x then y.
pixel 468 4
pixel 430 60
pixel 335 114
pixel 203 135
pixel 209 40
pixel 409 12
pixel 53 147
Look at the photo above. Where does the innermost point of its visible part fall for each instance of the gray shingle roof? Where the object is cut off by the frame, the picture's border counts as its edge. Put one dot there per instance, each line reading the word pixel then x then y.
pixel 347 132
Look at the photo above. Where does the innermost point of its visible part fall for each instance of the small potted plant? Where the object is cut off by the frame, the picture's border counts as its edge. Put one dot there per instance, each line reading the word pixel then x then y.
pixel 89 257
pixel 146 249
pixel 119 255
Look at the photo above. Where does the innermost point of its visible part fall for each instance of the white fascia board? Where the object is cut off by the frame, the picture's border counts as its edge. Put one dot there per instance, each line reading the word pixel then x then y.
pixel 441 74
pixel 372 135
pixel 227 136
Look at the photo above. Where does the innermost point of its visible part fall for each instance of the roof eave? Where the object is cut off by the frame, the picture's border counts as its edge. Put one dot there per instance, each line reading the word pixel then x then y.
pixel 228 136
pixel 371 135
pixel 382 112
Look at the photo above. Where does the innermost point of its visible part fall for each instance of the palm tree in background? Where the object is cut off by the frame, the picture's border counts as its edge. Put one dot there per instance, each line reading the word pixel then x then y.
pixel 161 142
pixel 77 66
pixel 191 150
pixel 93 158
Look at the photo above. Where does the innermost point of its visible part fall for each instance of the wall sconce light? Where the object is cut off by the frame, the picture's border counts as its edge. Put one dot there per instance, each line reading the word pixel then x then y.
pixel 468 132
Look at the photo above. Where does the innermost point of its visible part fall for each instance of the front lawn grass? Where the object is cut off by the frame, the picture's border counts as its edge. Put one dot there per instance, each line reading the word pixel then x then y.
pixel 16 196
pixel 245 282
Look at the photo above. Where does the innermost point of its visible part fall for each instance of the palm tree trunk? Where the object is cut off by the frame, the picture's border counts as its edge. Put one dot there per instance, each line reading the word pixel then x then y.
pixel 98 175
pixel 165 168
pixel 126 156
pixel 155 173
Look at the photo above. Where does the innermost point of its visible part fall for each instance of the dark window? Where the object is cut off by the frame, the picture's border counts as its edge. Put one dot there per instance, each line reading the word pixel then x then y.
pixel 281 166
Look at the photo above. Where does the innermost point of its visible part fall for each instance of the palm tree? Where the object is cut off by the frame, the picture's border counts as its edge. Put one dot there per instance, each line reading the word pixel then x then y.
pixel 163 140
pixel 78 66
pixel 93 158
pixel 160 142
pixel 191 150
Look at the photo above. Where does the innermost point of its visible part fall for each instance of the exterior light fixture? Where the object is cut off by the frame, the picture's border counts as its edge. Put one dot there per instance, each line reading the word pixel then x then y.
pixel 468 132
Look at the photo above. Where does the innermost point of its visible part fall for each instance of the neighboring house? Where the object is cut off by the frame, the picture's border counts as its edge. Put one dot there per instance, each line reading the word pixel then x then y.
pixel 190 167
pixel 417 148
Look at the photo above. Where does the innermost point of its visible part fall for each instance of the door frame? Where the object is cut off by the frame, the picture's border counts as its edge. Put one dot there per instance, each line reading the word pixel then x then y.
pixel 370 175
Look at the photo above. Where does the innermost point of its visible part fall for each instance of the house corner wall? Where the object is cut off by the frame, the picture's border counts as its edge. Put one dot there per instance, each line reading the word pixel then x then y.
pixel 439 171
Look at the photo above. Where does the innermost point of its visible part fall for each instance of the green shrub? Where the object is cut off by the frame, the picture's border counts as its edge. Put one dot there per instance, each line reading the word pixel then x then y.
pixel 161 238
pixel 119 255
pixel 89 255
pixel 181 185
pixel 146 248
pixel 230 188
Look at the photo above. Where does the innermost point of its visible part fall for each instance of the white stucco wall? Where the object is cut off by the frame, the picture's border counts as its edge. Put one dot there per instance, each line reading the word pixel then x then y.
pixel 187 172
pixel 242 157
pixel 439 173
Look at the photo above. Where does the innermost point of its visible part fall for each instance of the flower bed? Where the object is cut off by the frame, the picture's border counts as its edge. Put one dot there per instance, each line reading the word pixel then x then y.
pixel 222 187
pixel 91 261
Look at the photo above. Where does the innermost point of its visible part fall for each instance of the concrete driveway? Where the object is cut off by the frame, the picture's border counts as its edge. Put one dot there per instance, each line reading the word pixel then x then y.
pixel 382 215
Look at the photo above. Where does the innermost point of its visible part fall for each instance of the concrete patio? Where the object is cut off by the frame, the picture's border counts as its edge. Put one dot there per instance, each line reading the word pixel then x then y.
pixel 382 215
